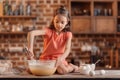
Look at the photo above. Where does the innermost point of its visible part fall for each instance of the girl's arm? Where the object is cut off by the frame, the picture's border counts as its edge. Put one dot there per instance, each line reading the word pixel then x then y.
pixel 66 52
pixel 30 39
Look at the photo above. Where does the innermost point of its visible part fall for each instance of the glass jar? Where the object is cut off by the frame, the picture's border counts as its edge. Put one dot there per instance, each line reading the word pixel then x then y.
pixel 5 66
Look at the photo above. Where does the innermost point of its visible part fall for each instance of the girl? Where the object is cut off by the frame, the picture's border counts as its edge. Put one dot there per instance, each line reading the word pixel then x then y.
pixel 57 41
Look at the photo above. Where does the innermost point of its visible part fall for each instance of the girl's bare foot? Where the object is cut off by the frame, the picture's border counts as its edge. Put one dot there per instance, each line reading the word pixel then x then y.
pixel 75 68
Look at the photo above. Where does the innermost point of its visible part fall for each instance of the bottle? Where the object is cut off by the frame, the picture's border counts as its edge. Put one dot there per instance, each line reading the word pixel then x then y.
pixel 6 6
pixel 105 12
pixel 1 7
pixel 95 12
pixel 9 8
pixel 110 12
pixel 28 9
pixel 21 8
pixel 99 12
pixel 13 8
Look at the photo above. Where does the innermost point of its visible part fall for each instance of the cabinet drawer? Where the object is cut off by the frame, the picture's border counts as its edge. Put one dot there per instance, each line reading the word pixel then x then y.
pixel 81 25
pixel 105 25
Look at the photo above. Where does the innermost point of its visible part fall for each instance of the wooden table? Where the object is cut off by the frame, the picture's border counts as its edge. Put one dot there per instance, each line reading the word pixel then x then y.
pixel 110 74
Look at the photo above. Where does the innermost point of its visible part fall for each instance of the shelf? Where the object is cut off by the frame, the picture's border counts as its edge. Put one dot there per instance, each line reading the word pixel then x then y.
pixel 81 0
pixel 81 16
pixel 13 33
pixel 118 17
pixel 103 0
pixel 80 8
pixel 118 33
pixel 105 16
pixel 31 16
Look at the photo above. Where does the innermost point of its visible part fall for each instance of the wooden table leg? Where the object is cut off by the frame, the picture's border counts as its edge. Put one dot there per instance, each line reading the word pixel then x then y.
pixel 116 59
pixel 111 58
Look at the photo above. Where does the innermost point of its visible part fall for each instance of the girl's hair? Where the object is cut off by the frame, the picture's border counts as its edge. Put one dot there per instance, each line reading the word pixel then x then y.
pixel 62 11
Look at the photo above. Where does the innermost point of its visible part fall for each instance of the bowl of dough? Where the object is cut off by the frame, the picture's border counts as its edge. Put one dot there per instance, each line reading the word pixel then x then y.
pixel 42 67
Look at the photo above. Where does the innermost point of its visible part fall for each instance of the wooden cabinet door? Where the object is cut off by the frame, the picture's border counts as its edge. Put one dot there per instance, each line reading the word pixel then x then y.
pixel 105 25
pixel 81 25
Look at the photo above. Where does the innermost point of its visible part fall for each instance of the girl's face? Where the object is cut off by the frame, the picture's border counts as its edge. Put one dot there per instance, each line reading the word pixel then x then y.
pixel 60 22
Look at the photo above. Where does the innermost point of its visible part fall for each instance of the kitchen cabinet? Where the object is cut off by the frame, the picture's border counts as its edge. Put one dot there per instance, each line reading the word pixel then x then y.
pixel 97 21
pixel 95 16
pixel 105 25
pixel 81 24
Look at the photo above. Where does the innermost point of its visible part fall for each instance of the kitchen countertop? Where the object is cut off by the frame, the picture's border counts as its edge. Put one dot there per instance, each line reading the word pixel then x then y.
pixel 110 74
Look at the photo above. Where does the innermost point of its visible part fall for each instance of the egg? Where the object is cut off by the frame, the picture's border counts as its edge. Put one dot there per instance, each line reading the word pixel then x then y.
pixel 110 67
pixel 84 67
pixel 102 72
pixel 92 73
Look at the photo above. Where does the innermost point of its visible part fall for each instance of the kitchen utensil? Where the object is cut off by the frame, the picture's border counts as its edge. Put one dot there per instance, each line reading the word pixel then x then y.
pixel 28 52
pixel 97 61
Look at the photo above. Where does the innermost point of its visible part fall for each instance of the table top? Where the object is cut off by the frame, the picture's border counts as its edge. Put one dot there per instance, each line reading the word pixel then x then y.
pixel 113 74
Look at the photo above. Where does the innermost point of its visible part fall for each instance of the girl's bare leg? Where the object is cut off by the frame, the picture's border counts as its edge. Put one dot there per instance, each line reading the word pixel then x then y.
pixel 64 69
pixel 75 68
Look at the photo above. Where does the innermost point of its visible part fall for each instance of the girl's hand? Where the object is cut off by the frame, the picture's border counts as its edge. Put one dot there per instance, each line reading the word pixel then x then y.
pixel 59 61
pixel 30 55
pixel 31 58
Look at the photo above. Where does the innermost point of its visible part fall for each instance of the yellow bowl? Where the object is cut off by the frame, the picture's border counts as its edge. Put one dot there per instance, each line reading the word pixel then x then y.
pixel 42 67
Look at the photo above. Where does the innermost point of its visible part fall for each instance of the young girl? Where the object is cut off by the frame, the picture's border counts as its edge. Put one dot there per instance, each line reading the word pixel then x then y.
pixel 57 41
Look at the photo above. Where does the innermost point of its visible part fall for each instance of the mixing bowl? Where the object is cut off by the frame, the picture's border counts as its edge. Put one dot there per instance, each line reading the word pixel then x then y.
pixel 42 67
